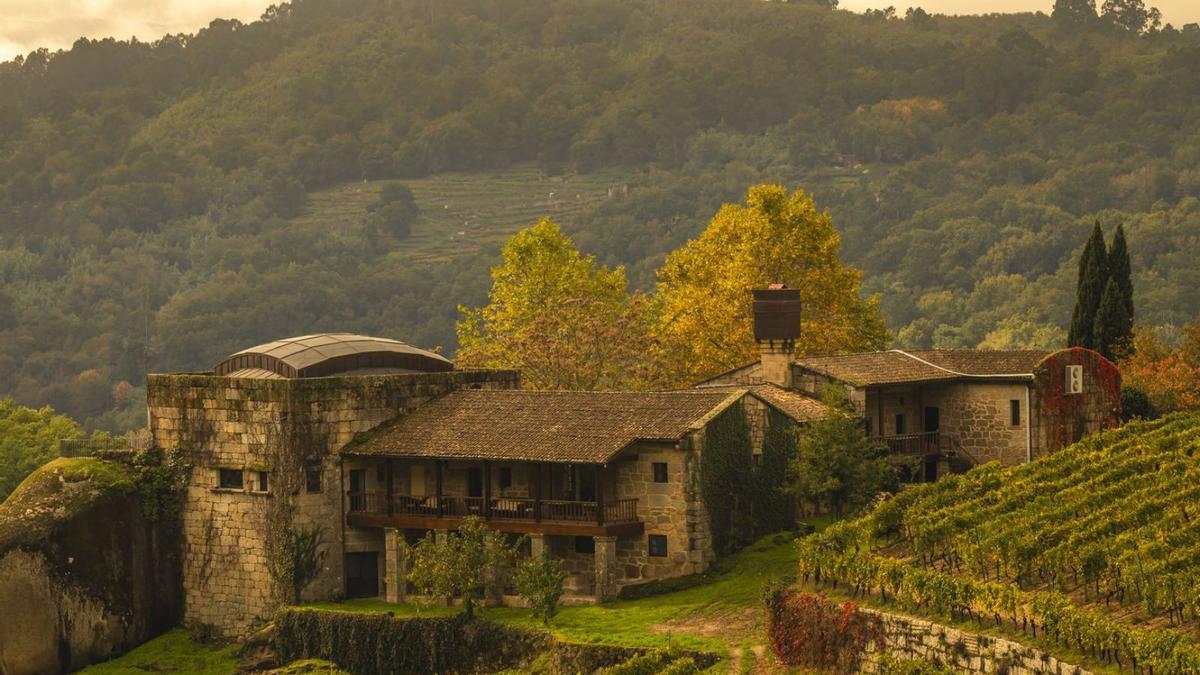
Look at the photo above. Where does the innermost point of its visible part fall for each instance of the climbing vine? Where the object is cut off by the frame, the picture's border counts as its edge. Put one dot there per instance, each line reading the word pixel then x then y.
pixel 1066 416
pixel 726 479
pixel 808 631
pixel 774 508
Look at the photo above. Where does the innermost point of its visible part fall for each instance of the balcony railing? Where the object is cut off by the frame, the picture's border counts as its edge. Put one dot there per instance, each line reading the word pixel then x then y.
pixel 496 508
pixel 925 443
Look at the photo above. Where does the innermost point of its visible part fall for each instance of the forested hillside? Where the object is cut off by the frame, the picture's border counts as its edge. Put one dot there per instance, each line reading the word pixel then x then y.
pixel 163 204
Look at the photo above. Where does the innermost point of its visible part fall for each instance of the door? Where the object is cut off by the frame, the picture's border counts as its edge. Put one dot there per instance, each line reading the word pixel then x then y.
pixel 474 482
pixel 362 575
pixel 358 488
pixel 933 419
pixel 931 469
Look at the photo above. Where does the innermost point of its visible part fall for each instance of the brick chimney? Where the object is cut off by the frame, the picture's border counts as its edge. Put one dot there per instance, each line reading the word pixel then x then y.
pixel 776 327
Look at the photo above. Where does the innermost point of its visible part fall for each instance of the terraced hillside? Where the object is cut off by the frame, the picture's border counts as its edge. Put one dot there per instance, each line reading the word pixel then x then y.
pixel 1096 547
pixel 463 213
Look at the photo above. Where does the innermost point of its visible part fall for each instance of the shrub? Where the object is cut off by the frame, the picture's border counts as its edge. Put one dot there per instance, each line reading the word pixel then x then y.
pixel 540 581
pixel 807 630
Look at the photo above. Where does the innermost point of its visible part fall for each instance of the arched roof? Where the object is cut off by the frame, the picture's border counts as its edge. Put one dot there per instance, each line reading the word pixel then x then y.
pixel 325 354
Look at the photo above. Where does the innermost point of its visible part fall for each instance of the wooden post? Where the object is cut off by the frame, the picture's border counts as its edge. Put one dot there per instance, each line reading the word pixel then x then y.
pixel 600 494
pixel 487 490
pixel 389 485
pixel 437 468
pixel 879 407
pixel 537 492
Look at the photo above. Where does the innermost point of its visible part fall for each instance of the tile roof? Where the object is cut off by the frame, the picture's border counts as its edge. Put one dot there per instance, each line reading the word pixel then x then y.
pixel 901 367
pixel 798 406
pixel 517 425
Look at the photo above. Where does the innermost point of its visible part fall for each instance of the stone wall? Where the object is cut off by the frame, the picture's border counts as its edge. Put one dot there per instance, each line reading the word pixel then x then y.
pixel 920 640
pixel 281 427
pixel 1061 418
pixel 671 509
pixel 979 416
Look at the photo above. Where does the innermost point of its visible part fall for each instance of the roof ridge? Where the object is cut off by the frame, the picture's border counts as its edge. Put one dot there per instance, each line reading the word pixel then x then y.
pixel 955 372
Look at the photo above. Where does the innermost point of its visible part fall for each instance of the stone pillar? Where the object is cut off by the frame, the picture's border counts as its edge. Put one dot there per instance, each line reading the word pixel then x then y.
pixel 395 589
pixel 606 568
pixel 538 549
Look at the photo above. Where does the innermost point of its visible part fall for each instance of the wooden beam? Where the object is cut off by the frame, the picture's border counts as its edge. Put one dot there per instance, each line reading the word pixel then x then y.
pixel 487 489
pixel 437 468
pixel 600 494
pixel 388 496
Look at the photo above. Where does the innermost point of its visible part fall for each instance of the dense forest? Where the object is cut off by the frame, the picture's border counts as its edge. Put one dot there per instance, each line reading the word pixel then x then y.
pixel 152 196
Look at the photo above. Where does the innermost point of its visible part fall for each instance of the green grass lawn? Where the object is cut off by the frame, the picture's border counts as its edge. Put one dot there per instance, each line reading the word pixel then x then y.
pixel 722 616
pixel 172 652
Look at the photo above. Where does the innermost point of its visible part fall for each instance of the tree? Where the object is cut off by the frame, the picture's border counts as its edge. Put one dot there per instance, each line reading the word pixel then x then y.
pixel 560 318
pixel 1111 331
pixel 540 582
pixel 837 468
pixel 28 439
pixel 1119 271
pixel 704 319
pixel 1093 277
pixel 1170 377
pixel 466 564
pixel 1132 15
pixel 395 210
pixel 1074 13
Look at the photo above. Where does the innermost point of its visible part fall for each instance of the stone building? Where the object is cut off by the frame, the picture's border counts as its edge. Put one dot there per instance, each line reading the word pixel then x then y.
pixel 374 441
pixel 938 406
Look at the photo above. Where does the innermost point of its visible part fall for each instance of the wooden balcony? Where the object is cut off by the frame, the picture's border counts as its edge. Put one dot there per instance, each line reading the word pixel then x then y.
pixel 506 514
pixel 925 443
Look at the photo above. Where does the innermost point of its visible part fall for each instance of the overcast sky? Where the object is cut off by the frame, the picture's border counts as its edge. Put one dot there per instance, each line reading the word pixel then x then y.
pixel 28 24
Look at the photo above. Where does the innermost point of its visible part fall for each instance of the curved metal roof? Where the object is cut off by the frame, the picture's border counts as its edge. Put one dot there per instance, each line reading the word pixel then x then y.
pixel 325 354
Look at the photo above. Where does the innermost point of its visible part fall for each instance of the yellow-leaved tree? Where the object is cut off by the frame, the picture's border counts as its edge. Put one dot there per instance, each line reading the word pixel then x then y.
pixel 704 322
pixel 563 320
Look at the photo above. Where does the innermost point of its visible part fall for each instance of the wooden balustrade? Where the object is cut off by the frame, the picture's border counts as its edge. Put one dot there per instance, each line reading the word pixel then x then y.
pixel 925 443
pixel 496 508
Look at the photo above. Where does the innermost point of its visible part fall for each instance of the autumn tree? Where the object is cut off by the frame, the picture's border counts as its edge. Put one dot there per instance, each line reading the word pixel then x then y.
pixel 704 321
pixel 1169 376
pixel 559 317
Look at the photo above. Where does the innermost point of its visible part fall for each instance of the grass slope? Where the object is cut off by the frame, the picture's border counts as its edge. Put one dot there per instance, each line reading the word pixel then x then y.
pixel 55 491
pixel 172 652
pixel 465 213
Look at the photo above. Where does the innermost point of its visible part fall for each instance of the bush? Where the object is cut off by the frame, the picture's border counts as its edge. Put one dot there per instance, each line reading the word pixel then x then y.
pixel 807 630
pixel 541 583
pixel 657 662
pixel 1136 405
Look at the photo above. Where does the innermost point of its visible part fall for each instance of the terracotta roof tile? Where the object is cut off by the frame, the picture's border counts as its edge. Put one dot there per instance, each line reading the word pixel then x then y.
pixel 900 367
pixel 515 425
pixel 798 406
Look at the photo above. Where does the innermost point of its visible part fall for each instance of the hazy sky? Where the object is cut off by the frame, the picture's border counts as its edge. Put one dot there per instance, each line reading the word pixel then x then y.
pixel 28 24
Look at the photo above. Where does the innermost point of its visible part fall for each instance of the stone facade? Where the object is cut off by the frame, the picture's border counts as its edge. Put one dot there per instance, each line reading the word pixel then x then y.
pixel 920 640
pixel 1061 418
pixel 248 427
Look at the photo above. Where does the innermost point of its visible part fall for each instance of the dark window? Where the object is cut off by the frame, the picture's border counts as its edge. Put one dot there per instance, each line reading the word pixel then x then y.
pixel 230 479
pixel 900 429
pixel 657 543
pixel 505 477
pixel 660 472
pixel 1014 407
pixel 312 478
pixel 585 545
pixel 263 484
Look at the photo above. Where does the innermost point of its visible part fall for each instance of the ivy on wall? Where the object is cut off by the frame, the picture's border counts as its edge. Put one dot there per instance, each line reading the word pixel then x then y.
pixel 726 478
pixel 774 508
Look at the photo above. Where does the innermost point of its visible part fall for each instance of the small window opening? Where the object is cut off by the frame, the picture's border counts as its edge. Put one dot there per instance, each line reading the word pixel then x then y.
pixel 660 472
pixel 230 479
pixel 312 478
pixel 1014 412
pixel 657 545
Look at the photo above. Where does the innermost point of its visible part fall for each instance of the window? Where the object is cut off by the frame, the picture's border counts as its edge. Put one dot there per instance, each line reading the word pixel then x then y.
pixel 1014 412
pixel 1074 380
pixel 312 478
pixel 230 479
pixel 660 472
pixel 263 484
pixel 585 545
pixel 900 428
pixel 657 545
pixel 505 477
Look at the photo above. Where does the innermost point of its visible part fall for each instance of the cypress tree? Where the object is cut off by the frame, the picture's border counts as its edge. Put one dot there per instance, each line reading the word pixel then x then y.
pixel 1120 272
pixel 1111 323
pixel 1093 276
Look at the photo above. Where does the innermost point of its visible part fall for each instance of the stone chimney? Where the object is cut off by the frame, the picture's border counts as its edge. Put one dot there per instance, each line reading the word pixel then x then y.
pixel 776 327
